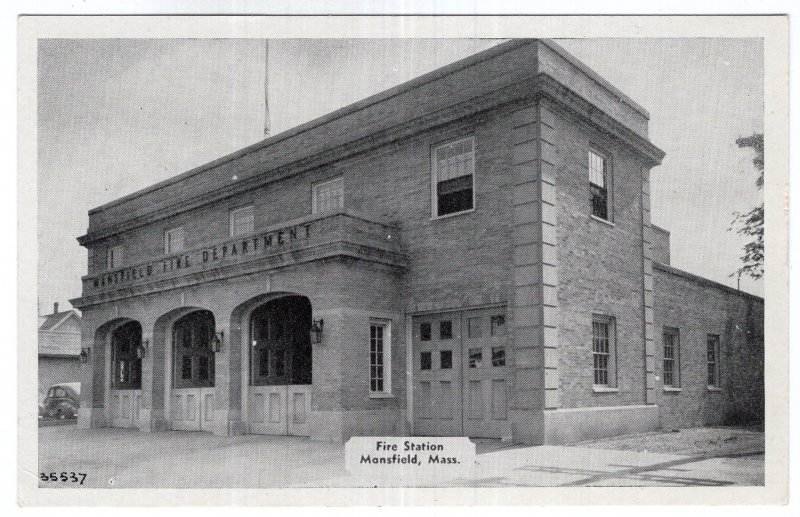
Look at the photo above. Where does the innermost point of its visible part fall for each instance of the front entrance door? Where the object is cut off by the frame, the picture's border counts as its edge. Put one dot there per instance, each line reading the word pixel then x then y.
pixel 192 394
pixel 460 374
pixel 279 399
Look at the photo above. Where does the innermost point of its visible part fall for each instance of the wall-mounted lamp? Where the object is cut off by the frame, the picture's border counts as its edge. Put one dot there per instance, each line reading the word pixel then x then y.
pixel 216 341
pixel 141 350
pixel 316 332
pixel 84 355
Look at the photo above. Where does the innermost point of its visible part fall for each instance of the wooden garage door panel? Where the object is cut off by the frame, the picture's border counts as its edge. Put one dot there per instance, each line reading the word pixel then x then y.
pixel 460 373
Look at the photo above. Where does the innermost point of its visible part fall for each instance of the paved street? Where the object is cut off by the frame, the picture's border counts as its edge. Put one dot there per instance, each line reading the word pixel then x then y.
pixel 117 458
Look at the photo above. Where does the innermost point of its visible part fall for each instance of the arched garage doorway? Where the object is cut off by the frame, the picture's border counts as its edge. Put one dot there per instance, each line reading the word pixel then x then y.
pixel 280 370
pixel 125 370
pixel 192 372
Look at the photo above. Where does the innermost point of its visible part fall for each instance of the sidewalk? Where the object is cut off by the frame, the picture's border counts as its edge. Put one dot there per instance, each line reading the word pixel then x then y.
pixel 117 458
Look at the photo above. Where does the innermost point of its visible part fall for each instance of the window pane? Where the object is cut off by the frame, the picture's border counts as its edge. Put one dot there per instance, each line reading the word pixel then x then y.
pixel 498 356
pixel 263 362
pixel 328 196
pixel 599 202
pixel 242 221
pixel 376 357
pixel 186 368
pixel 203 368
pixel 601 351
pixel 597 169
pixel 174 240
pixel 445 330
pixel 498 325
pixel 475 357
pixel 474 327
pixel 446 359
pixel 454 168
pixel 455 201
pixel 425 331
pixel 279 363
pixel 425 361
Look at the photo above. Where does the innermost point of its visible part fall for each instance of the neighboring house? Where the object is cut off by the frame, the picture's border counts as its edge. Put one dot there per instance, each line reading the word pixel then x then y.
pixel 469 253
pixel 59 349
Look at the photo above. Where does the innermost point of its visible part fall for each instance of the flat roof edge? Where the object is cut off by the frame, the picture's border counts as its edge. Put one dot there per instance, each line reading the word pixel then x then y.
pixel 697 278
pixel 594 75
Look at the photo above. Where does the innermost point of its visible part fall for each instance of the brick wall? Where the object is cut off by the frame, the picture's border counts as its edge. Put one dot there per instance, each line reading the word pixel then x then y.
pixel 698 307
pixel 599 267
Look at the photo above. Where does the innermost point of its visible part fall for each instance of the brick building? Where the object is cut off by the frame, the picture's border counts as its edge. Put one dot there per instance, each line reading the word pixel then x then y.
pixel 468 253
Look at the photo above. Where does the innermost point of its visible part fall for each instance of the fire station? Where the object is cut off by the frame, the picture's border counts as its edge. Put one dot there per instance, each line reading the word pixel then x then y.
pixel 469 253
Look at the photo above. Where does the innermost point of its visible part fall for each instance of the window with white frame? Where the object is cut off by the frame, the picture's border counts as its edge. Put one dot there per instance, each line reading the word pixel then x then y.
pixel 242 221
pixel 173 240
pixel 327 196
pixel 598 185
pixel 672 358
pixel 380 357
pixel 453 177
pixel 114 257
pixel 604 350
pixel 712 360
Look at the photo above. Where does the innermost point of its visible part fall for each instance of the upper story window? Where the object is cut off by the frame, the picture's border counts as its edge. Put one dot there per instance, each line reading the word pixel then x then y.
pixel 327 196
pixel 242 221
pixel 453 178
pixel 173 240
pixel 604 350
pixel 599 179
pixel 114 257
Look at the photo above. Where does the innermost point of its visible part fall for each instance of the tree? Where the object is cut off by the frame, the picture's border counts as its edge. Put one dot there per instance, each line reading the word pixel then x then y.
pixel 751 224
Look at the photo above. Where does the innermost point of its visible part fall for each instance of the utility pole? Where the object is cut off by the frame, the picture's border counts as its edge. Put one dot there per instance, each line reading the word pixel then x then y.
pixel 266 89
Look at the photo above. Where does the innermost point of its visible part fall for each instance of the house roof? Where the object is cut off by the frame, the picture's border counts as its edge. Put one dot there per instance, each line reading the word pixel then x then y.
pixel 53 321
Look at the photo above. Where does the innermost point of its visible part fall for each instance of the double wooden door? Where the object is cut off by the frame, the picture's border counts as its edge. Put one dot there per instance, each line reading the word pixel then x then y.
pixel 460 373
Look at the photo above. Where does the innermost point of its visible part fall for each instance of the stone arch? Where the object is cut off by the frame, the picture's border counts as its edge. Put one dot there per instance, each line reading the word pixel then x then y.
pixel 95 389
pixel 160 362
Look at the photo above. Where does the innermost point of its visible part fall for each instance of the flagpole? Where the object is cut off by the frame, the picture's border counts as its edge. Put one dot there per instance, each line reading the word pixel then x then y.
pixel 266 89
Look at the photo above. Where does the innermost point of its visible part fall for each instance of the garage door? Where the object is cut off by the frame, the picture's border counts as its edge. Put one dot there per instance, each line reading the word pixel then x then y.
pixel 460 373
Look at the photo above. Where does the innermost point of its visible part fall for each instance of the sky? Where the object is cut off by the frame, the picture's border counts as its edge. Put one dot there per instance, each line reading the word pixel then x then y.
pixel 115 116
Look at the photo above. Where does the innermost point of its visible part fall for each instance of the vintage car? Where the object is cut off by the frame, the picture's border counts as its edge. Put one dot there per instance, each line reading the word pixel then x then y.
pixel 62 401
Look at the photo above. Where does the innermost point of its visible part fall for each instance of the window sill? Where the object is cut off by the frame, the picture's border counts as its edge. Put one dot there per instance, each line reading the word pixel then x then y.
pixel 380 395
pixel 454 214
pixel 672 389
pixel 604 389
pixel 713 388
pixel 601 220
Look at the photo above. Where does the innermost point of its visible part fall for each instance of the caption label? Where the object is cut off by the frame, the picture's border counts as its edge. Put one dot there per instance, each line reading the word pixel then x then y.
pixel 393 454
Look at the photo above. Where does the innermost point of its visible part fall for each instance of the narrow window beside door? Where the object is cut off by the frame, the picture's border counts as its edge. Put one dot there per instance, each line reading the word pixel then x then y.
pixel 380 357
